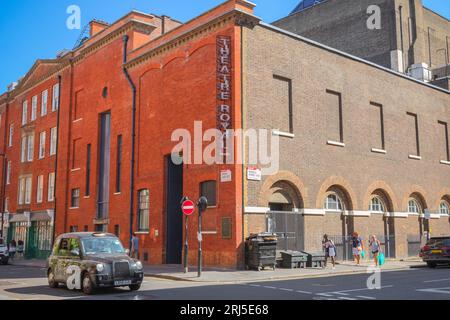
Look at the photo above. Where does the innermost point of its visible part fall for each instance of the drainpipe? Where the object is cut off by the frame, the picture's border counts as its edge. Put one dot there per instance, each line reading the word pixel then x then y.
pixel 56 159
pixel 133 132
pixel 5 164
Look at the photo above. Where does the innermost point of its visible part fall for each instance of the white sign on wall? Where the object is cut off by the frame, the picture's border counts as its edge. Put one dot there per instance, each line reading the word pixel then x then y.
pixel 254 174
pixel 225 176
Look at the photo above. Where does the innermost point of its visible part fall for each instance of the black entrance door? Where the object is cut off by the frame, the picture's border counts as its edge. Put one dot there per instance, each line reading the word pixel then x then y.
pixel 174 216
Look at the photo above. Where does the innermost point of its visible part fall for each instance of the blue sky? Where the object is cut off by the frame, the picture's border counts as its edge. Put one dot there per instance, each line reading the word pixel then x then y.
pixel 37 29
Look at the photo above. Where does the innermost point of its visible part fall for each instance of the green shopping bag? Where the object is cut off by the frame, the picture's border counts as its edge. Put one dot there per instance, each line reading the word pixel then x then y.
pixel 381 259
pixel 363 254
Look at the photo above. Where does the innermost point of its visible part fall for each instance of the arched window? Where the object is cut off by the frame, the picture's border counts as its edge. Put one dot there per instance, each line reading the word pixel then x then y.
pixel 377 205
pixel 333 203
pixel 414 207
pixel 444 208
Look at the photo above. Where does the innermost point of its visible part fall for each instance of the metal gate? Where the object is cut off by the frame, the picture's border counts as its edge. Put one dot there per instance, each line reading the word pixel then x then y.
pixel 288 226
pixel 414 244
pixel 39 240
pixel 17 231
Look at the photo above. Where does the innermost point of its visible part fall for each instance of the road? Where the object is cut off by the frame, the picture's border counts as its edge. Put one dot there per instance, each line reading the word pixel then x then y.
pixel 28 283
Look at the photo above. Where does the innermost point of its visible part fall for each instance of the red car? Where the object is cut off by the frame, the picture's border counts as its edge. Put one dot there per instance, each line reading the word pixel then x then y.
pixel 436 251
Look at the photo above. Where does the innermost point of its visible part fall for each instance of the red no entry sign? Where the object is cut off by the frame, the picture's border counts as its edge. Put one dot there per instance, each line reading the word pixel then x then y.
pixel 188 207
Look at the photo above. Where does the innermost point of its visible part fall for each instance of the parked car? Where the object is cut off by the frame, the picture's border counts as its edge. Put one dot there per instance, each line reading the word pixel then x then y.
pixel 4 255
pixel 436 251
pixel 89 260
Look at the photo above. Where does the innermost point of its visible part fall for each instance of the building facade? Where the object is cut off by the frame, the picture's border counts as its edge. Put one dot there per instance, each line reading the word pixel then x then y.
pixel 406 36
pixel 361 148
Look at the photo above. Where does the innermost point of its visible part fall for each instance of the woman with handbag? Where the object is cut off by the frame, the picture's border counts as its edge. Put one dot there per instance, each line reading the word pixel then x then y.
pixel 330 251
pixel 375 247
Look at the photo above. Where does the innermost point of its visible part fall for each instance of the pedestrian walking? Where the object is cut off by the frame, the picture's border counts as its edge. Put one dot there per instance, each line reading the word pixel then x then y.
pixel 375 247
pixel 134 246
pixel 330 251
pixel 12 249
pixel 357 247
pixel 20 248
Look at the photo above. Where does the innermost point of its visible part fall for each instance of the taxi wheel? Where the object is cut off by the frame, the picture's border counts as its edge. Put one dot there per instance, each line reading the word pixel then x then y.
pixel 87 285
pixel 51 280
pixel 135 287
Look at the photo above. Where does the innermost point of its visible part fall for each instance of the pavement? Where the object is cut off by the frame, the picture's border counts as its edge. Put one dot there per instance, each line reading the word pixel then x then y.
pixel 218 275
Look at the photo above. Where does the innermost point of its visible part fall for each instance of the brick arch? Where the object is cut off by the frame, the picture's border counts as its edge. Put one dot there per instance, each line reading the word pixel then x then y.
pixel 283 177
pixel 343 185
pixel 444 194
pixel 388 193
pixel 419 192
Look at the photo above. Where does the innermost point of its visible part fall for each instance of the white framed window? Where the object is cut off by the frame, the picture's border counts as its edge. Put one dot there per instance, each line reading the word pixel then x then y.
pixel 55 100
pixel 23 155
pixel 413 206
pixel 11 135
pixel 28 185
pixel 333 203
pixel 40 189
pixel 42 140
pixel 144 210
pixel 44 103
pixel 444 208
pixel 34 102
pixel 21 197
pixel 51 187
pixel 377 205
pixel 24 113
pixel 8 173
pixel 53 140
pixel 30 148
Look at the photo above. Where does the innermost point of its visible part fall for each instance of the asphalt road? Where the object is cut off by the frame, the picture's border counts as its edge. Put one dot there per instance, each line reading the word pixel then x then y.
pixel 28 283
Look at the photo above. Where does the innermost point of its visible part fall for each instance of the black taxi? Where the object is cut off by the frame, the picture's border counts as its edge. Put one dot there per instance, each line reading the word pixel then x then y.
pixel 89 260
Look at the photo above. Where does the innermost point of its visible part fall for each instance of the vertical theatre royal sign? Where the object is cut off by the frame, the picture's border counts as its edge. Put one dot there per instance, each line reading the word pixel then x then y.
pixel 224 91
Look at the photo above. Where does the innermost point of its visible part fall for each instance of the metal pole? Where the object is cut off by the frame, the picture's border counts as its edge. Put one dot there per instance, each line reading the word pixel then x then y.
pixel 5 164
pixel 186 246
pixel 200 240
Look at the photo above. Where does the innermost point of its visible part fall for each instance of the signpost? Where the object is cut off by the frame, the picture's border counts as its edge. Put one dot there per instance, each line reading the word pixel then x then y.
pixel 188 208
pixel 202 205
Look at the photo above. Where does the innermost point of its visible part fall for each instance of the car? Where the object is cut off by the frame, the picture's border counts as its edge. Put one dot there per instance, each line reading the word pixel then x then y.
pixel 90 260
pixel 4 255
pixel 436 251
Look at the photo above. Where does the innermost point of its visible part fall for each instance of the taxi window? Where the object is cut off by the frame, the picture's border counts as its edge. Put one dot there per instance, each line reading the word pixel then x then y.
pixel 64 247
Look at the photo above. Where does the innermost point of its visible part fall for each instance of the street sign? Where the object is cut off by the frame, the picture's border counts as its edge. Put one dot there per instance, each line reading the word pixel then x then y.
pixel 188 207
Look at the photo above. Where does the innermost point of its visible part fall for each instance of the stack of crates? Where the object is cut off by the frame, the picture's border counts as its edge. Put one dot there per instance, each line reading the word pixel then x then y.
pixel 294 259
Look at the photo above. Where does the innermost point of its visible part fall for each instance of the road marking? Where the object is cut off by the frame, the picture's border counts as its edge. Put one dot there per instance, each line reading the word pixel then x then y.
pixel 305 292
pixel 283 289
pixel 438 280
pixel 368 298
pixel 324 294
pixel 436 290
pixel 255 285
pixel 269 287
pixel 346 298
pixel 355 290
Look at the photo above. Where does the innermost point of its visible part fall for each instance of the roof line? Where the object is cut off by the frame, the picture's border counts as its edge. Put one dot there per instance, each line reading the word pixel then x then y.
pixel 347 55
pixel 438 14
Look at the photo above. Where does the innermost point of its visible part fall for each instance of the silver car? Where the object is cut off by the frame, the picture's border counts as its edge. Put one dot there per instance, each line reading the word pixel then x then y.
pixel 4 255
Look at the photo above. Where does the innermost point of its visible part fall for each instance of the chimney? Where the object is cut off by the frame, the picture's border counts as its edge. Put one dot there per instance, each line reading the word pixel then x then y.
pixel 97 26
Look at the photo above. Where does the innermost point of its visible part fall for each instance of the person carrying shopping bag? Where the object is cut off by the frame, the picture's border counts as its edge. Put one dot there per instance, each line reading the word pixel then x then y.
pixel 330 251
pixel 375 247
pixel 357 247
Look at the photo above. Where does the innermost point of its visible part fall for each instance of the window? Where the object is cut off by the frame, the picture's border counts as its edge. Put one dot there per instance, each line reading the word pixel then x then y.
pixel 119 164
pixel 117 230
pixel 24 113
pixel 444 208
pixel 144 210
pixel 11 135
pixel 376 126
pixel 445 152
pixel 282 99
pixel 51 187
pixel 21 199
pixel 208 190
pixel 413 206
pixel 34 108
pixel 73 228
pixel 42 140
pixel 28 185
pixel 413 135
pixel 376 205
pixel 55 100
pixel 6 204
pixel 8 173
pixel 75 200
pixel 23 154
pixel 88 170
pixel 334 122
pixel 30 148
pixel 53 140
pixel 333 203
pixel 44 103
pixel 40 189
